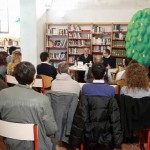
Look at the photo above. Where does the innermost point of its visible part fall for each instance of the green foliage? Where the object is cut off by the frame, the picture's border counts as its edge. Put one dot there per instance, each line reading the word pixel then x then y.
pixel 138 37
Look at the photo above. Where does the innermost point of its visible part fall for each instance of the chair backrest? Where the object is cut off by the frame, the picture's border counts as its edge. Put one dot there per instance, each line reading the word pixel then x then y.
pixel 38 83
pixel 47 80
pixel 10 79
pixel 20 131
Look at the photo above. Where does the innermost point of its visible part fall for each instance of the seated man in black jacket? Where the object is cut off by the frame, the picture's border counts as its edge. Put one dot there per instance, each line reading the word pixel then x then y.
pixel 85 58
pixel 96 122
pixel 109 61
pixel 45 68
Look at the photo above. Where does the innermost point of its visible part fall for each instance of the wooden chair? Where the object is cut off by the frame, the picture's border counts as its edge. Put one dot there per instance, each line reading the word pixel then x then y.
pixel 47 80
pixel 20 131
pixel 38 83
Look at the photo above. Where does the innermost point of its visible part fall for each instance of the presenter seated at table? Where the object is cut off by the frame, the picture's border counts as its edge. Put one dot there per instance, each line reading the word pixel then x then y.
pixel 109 61
pixel 85 58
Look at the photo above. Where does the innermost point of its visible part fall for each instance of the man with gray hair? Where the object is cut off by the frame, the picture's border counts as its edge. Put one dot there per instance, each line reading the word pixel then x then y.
pixel 64 82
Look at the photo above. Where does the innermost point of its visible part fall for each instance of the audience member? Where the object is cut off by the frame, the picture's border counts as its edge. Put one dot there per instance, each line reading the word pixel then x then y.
pixel 109 61
pixel 22 104
pixel 16 59
pixel 121 74
pixel 45 68
pixel 137 81
pixel 3 64
pixel 85 58
pixel 11 49
pixel 97 117
pixel 98 86
pixel 64 82
pixel 88 73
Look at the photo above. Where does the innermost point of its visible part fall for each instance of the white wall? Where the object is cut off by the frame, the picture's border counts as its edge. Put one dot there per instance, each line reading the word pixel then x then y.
pixel 94 10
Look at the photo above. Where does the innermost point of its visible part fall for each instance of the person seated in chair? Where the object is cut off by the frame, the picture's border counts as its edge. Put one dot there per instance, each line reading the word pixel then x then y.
pixel 64 82
pixel 109 61
pixel 96 122
pixel 45 68
pixel 22 104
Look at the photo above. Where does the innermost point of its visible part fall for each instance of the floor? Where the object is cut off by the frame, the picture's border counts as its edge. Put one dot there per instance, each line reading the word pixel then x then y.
pixel 124 147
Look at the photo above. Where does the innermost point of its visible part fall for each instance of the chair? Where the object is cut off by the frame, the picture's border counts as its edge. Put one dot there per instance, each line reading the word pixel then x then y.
pixel 47 80
pixel 20 131
pixel 38 83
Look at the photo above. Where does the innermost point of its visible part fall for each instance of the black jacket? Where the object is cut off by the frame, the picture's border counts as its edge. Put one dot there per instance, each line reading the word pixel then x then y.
pixel 135 114
pixel 97 120
pixel 86 60
pixel 110 61
pixel 47 70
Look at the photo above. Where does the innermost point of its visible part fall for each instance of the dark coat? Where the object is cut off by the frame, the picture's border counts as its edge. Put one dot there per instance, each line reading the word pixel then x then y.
pixel 97 120
pixel 64 106
pixel 86 60
pixel 47 70
pixel 110 61
pixel 135 114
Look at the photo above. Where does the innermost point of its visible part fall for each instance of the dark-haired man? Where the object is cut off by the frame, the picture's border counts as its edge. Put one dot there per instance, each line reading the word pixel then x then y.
pixel 109 61
pixel 22 104
pixel 97 117
pixel 45 68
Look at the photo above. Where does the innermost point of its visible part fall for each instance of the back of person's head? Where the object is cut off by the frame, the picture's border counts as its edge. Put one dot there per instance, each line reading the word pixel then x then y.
pixel 98 70
pixel 3 56
pixel 24 73
pixel 136 77
pixel 11 49
pixel 98 59
pixel 16 57
pixel 132 62
pixel 63 67
pixel 107 51
pixel 44 56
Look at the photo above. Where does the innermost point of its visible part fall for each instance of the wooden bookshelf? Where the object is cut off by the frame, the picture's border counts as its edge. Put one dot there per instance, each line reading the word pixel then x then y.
pixel 118 49
pixel 66 41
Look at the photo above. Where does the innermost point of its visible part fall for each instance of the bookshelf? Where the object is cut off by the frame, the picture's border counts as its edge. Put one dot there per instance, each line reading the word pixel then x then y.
pixel 101 38
pixel 66 41
pixel 6 43
pixel 79 37
pixel 56 42
pixel 118 50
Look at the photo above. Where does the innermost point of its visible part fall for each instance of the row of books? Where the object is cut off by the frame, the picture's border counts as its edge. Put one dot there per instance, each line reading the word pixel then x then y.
pixel 78 35
pixel 78 42
pixel 57 43
pixel 103 41
pixel 98 29
pixel 119 36
pixel 119 44
pixel 61 55
pixel 100 48
pixel 118 53
pixel 55 64
pixel 72 59
pixel 119 27
pixel 119 61
pixel 57 31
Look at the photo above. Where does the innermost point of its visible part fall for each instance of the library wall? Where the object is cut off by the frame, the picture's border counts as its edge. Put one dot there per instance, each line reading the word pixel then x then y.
pixel 95 11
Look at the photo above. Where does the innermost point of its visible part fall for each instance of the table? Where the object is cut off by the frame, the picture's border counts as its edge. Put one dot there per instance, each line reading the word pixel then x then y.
pixel 74 70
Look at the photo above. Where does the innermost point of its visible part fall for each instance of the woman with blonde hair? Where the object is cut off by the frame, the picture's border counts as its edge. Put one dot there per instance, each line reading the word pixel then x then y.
pixel 137 81
pixel 16 59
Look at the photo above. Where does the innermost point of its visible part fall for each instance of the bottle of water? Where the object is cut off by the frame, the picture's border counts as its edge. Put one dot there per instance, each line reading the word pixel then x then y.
pixel 75 63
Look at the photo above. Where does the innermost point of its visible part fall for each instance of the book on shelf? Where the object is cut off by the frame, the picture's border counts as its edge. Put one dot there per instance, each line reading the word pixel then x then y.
pixel 57 31
pixel 57 56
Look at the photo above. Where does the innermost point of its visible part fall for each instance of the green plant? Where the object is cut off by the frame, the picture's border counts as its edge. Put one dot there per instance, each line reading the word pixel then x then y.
pixel 138 37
